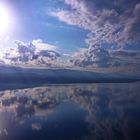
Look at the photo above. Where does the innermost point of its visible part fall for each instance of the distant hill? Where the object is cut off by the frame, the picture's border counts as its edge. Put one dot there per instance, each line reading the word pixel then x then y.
pixel 17 77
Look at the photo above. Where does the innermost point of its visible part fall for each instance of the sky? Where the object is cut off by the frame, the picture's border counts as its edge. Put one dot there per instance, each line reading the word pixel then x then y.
pixel 34 21
pixel 89 33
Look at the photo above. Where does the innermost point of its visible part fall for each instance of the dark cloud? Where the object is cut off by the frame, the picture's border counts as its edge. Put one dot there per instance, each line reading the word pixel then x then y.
pixel 125 53
pixel 24 48
pixel 51 54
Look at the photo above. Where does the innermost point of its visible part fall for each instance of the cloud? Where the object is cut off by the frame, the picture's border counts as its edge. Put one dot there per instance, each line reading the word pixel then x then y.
pixel 34 53
pixel 121 53
pixel 132 28
pixel 111 60
pixel 126 58
pixel 95 57
pixel 25 48
pixel 110 23
pixel 43 46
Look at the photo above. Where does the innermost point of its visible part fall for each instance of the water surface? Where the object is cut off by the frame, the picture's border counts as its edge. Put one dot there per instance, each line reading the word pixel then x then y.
pixel 71 112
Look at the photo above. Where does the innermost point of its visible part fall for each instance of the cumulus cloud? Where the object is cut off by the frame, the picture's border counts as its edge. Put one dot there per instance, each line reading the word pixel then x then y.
pixel 132 29
pixel 33 53
pixel 43 46
pixel 110 23
pixel 96 57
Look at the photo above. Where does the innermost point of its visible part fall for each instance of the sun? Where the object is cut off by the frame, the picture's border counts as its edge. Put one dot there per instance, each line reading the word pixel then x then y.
pixel 4 19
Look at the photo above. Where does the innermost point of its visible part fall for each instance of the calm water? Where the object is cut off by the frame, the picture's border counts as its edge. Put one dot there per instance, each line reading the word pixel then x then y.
pixel 71 112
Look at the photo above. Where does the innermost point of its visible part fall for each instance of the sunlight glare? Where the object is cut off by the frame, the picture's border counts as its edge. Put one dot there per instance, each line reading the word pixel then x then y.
pixel 4 19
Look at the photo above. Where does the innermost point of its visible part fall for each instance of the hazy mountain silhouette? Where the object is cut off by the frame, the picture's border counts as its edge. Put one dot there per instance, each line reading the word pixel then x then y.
pixel 17 77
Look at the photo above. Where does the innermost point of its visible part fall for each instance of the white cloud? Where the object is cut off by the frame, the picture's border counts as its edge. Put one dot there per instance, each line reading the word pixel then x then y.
pixel 40 45
pixel 39 54
pixel 107 24
pixel 104 19
pixel 91 57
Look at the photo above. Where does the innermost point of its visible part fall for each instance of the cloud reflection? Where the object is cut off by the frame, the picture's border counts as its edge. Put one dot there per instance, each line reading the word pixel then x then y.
pixel 111 111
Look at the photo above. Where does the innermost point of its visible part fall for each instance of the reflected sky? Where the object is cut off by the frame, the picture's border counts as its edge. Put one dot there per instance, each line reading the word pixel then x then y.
pixel 72 112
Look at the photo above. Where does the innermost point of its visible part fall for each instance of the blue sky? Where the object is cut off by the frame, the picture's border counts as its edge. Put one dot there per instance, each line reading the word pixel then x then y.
pixel 94 33
pixel 35 22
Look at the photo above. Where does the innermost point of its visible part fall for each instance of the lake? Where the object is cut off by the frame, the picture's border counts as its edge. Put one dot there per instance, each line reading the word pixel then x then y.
pixel 71 112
